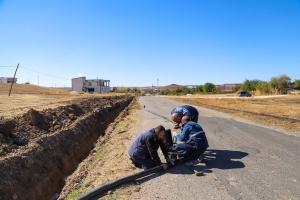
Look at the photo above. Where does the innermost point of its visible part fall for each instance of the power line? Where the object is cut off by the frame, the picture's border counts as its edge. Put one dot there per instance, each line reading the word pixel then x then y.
pixel 45 73
pixel 7 66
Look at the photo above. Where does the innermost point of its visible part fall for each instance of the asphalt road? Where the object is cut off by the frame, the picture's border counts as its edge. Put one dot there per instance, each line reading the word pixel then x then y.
pixel 244 160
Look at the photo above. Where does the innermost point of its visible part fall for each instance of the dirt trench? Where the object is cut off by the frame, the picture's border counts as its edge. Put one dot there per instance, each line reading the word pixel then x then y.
pixel 50 144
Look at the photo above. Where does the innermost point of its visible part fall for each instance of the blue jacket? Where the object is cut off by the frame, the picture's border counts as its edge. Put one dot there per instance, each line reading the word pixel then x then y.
pixel 147 144
pixel 193 134
pixel 186 110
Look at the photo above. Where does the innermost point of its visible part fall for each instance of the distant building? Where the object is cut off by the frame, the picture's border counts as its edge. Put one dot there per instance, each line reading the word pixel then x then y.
pixel 7 80
pixel 229 87
pixel 81 84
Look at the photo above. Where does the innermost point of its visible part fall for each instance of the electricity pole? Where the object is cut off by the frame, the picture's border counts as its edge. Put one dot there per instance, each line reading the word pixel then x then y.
pixel 13 80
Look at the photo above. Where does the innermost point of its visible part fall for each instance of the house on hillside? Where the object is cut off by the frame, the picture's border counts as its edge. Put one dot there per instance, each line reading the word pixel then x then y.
pixel 228 87
pixel 7 80
pixel 81 84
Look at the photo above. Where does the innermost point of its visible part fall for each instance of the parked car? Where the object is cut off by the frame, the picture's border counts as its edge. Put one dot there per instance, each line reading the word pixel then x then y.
pixel 244 94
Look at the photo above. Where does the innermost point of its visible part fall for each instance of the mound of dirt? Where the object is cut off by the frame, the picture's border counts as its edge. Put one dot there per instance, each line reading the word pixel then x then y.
pixel 6 126
pixel 44 147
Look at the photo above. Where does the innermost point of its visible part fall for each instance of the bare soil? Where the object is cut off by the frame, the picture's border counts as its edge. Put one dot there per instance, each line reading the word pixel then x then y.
pixel 39 148
pixel 108 161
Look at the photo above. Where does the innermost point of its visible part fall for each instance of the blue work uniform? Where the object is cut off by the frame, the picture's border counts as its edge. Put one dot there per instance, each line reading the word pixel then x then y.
pixel 143 150
pixel 195 140
pixel 187 110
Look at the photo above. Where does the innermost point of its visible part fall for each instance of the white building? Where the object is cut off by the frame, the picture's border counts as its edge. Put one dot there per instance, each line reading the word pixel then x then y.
pixel 81 84
pixel 7 80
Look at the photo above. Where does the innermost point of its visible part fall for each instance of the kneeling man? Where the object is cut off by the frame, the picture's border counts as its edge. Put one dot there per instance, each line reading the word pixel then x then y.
pixel 194 141
pixel 143 151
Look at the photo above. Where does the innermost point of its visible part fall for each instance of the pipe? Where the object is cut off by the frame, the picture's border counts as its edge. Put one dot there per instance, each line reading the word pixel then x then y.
pixel 108 186
pixel 113 184
pixel 160 116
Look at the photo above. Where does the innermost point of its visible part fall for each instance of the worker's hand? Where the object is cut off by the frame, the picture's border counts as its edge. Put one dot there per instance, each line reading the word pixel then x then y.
pixel 164 165
pixel 170 161
pixel 176 126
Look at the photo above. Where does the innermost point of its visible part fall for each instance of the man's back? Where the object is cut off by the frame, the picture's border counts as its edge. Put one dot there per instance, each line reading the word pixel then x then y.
pixel 193 133
pixel 187 110
pixel 139 147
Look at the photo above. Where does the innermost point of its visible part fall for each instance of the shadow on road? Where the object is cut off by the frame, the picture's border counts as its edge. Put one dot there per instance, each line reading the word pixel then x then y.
pixel 213 159
pixel 224 159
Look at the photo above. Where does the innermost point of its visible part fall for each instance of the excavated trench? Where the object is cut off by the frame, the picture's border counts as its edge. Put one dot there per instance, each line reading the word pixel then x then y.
pixel 39 149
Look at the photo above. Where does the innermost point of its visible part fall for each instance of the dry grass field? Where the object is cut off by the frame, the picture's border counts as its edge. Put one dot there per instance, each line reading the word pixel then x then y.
pixel 23 97
pixel 279 111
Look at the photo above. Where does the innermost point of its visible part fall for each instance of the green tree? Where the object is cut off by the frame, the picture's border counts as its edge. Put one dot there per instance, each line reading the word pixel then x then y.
pixel 199 89
pixel 236 88
pixel 264 86
pixel 185 90
pixel 250 85
pixel 280 82
pixel 297 84
pixel 178 90
pixel 209 87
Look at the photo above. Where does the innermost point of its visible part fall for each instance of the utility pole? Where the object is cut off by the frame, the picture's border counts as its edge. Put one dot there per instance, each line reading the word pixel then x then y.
pixel 13 80
pixel 38 80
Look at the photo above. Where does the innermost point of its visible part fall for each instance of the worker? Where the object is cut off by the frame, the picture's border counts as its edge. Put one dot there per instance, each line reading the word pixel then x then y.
pixel 185 110
pixel 143 151
pixel 194 141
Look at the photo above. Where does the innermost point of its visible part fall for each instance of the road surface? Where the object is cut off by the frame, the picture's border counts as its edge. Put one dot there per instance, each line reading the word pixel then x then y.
pixel 244 160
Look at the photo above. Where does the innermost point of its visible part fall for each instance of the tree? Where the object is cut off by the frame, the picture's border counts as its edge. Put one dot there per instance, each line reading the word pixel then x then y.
pixel 236 88
pixel 250 85
pixel 297 84
pixel 264 86
pixel 209 87
pixel 185 90
pixel 178 90
pixel 280 82
pixel 218 90
pixel 199 89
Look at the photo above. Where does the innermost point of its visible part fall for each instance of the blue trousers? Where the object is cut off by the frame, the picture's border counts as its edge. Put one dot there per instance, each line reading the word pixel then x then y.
pixel 146 163
pixel 191 152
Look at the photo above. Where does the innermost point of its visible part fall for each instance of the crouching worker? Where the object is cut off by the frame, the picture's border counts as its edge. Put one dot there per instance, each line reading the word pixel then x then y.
pixel 194 141
pixel 143 151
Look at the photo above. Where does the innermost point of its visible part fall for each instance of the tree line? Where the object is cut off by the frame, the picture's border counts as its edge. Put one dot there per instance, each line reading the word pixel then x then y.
pixel 276 85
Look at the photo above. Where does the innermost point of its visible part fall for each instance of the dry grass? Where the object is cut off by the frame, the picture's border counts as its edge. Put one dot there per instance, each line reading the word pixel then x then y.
pixel 29 89
pixel 282 111
pixel 23 97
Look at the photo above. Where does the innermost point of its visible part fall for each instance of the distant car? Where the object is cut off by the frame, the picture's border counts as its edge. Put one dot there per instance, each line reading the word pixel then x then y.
pixel 244 94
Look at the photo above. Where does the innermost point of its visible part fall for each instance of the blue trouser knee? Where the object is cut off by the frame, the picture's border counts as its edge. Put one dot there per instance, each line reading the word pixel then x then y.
pixel 191 151
pixel 146 163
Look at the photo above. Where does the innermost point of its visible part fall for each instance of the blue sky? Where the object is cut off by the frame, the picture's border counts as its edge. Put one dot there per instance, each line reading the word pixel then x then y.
pixel 134 43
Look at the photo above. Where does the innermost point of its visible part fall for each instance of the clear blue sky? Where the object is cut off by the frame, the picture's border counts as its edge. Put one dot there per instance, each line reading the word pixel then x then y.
pixel 133 43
